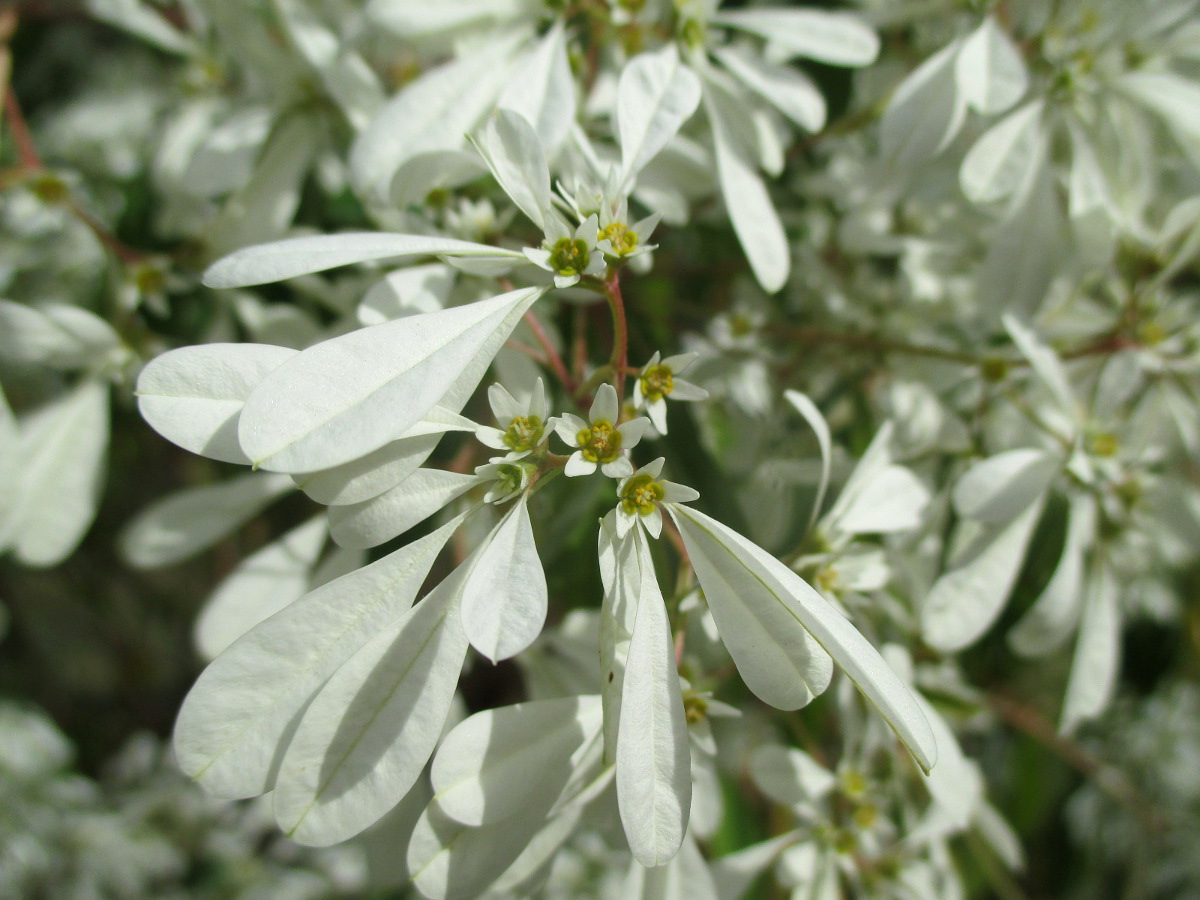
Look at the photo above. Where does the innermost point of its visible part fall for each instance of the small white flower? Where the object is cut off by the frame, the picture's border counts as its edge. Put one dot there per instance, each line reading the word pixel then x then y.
pixel 601 442
pixel 569 255
pixel 509 477
pixel 657 381
pixel 523 426
pixel 620 240
pixel 640 494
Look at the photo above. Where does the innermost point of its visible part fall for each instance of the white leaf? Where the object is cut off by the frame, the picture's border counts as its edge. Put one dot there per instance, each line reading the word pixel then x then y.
pixel 1097 653
pixel 1170 96
pixel 991 74
pixel 495 762
pixel 261 585
pixel 513 152
pixel 820 427
pixel 1049 621
pixel 733 873
pixel 925 112
pixel 185 523
pixel 654 777
pixel 656 94
pixel 59 463
pixel 193 396
pixel 265 263
pixel 431 170
pixel 434 112
pixel 420 19
pixel 542 89
pixel 621 577
pixel 840 39
pixel 967 598
pixel 56 335
pixel 1002 160
pixel 407 291
pixel 788 90
pixel 890 498
pixel 504 600
pixel 685 877
pixel 1045 364
pixel 719 553
pixel 344 398
pixel 234 722
pixel 750 209
pixel 368 732
pixel 1000 487
pixel 788 775
pixel 369 476
pixel 143 21
pixel 412 501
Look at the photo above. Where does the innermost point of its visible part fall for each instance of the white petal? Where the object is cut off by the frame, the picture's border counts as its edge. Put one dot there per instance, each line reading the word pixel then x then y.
pixel 193 396
pixel 568 427
pixel 343 398
pixel 840 39
pixel 259 586
pixel 504 600
pixel 620 467
pixel 656 94
pixel 654 778
pixel 412 501
pixel 187 522
pixel 265 263
pixel 504 407
pixel 652 522
pixel 368 732
pixel 634 430
pixel 754 219
pixel 679 493
pixel 605 406
pixel 577 465
pixel 735 555
pixel 991 74
pixel 513 152
pixel 233 720
pixel 657 412
pixel 496 761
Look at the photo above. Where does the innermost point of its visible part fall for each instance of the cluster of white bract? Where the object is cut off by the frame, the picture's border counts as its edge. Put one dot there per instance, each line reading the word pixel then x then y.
pixel 983 287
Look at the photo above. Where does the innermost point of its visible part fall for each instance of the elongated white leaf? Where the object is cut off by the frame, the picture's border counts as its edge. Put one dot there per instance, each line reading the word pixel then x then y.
pixel 817 423
pixel 719 553
pixel 368 732
pixel 369 476
pixel 991 74
pixel 265 263
pixel 59 464
pixel 685 877
pixel 56 335
pixel 511 148
pixel 413 500
pixel 348 396
pixel 261 585
pixel 1175 98
pixel 889 498
pixel 789 775
pixel 1044 362
pixel 778 658
pixel 621 577
pixel 193 396
pixel 998 488
pixel 1001 161
pixel 925 112
pixel 840 39
pixel 233 726
pixel 750 209
pixel 542 89
pixel 1049 622
pixel 496 761
pixel 788 90
pixel 434 112
pixel 656 94
pixel 187 522
pixel 654 774
pixel 504 601
pixel 967 598
pixel 1097 653
pixel 733 873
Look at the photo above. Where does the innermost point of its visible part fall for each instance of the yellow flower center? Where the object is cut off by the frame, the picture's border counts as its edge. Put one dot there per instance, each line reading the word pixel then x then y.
pixel 657 382
pixel 641 493
pixel 569 257
pixel 601 443
pixel 623 240
pixel 523 433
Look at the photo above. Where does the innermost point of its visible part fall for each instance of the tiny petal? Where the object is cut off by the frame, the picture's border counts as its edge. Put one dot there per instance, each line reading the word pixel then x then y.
pixel 680 361
pixel 605 406
pixel 625 521
pixel 504 406
pixel 491 437
pixel 577 465
pixel 657 411
pixel 678 493
pixel 568 426
pixel 685 390
pixel 620 467
pixel 653 522
pixel 566 281
pixel 538 257
pixel 634 430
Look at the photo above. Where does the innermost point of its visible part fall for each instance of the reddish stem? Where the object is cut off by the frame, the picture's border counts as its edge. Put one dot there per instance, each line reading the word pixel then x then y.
pixel 20 131
pixel 620 353
pixel 552 357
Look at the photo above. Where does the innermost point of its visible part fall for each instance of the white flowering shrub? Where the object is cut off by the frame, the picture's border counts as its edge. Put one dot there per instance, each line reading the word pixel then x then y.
pixel 613 448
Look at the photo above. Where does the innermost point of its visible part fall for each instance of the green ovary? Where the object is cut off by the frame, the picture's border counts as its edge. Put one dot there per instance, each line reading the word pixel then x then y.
pixel 657 382
pixel 641 493
pixel 570 257
pixel 524 433
pixel 623 240
pixel 601 443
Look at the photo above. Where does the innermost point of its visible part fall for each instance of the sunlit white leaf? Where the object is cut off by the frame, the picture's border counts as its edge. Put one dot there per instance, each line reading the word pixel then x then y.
pixel 656 94
pixel 1097 656
pixel 685 877
pixel 720 554
pixel 542 89
pixel 788 775
pixel 235 721
pixel 788 90
pixel 840 39
pixel 261 585
pixel 348 396
pixel 1003 158
pixel 991 73
pixel 998 488
pixel 379 519
pixel 193 396
pixel 368 732
pixel 925 112
pixel 511 148
pixel 504 600
pixel 56 335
